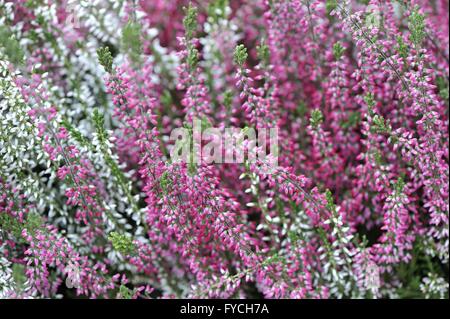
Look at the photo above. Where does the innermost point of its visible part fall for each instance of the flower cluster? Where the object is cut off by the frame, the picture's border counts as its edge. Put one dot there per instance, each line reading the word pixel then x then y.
pixel 352 202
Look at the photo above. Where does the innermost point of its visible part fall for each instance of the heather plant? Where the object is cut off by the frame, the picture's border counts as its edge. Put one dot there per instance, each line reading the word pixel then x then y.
pixel 347 198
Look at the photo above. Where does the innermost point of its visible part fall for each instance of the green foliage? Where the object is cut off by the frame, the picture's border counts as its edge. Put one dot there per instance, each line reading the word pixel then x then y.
pixel 131 41
pixel 338 50
pixel 263 53
pixel 240 55
pixel 402 48
pixel 19 275
pixel 301 109
pixel 331 5
pixel 293 237
pixel 443 88
pixel 331 206
pixel 411 273
pixel 374 19
pixel 125 292
pixel 378 158
pixel 190 21
pixel 192 58
pixel 10 46
pixel 370 101
pixel 11 225
pixel 354 118
pixel 192 167
pixel 33 4
pixel 399 186
pixel 165 182
pixel 192 163
pixel 190 26
pixel 205 124
pixel 316 118
pixel 228 99
pixel 105 58
pixel 166 98
pixel 99 123
pixel 217 10
pixel 103 137
pixel 122 243
pixel 74 133
pixel 33 223
pixel 275 258
pixel 417 27
pixel 380 125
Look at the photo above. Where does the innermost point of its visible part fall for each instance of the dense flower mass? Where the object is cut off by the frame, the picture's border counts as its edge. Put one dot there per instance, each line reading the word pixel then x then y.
pixel 97 98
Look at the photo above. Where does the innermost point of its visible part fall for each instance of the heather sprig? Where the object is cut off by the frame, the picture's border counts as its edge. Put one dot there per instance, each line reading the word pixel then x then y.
pixel 10 46
pixel 122 243
pixel 105 59
pixel 240 55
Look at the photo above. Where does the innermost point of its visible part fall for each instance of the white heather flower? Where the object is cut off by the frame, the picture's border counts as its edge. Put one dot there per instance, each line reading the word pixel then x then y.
pixel 434 287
